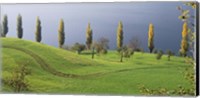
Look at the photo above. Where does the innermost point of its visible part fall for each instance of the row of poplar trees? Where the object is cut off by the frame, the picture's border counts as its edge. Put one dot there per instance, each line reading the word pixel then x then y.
pixel 19 26
pixel 184 43
pixel 38 36
pixel 89 34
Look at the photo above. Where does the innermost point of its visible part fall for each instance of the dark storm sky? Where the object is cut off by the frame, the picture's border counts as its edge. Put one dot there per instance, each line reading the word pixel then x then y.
pixel 104 18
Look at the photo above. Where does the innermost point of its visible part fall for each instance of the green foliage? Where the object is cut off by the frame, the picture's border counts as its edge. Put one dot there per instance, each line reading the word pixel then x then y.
pixel 19 27
pixel 159 55
pixel 180 91
pixel 128 52
pixel 61 33
pixel 18 79
pixel 104 51
pixel 190 75
pixel 38 36
pixel 155 51
pixel 158 92
pixel 120 35
pixel 78 47
pixel 89 36
pixel 169 54
pixel 125 52
pixel 4 26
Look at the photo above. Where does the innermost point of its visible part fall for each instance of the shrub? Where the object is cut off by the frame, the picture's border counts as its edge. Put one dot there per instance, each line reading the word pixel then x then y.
pixel 125 52
pixel 135 43
pixel 66 47
pixel 159 55
pixel 138 49
pixel 17 80
pixel 131 51
pixel 104 51
pixel 155 51
pixel 78 47
pixel 118 50
pixel 101 45
pixel 169 53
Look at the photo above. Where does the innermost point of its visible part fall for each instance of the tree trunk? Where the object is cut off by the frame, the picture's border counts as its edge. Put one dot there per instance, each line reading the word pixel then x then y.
pixel 121 59
pixel 92 53
pixel 151 50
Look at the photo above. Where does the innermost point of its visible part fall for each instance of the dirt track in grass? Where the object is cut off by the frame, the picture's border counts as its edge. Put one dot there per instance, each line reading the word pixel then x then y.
pixel 49 69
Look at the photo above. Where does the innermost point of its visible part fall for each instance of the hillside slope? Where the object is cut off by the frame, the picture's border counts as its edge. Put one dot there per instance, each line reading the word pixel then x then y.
pixel 59 71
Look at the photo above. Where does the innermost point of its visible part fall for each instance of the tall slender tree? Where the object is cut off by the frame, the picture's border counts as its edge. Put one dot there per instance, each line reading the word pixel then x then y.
pixel 151 38
pixel 4 26
pixel 19 26
pixel 184 42
pixel 120 35
pixel 61 33
pixel 38 36
pixel 89 36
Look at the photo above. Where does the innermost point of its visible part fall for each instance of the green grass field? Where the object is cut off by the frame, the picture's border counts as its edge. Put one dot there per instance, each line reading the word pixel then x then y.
pixel 58 71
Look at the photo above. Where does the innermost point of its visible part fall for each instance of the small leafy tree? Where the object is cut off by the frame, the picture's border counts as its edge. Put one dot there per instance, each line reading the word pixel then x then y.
pixel 155 51
pixel 125 52
pixel 18 79
pixel 89 36
pixel 4 26
pixel 120 35
pixel 19 27
pixel 38 36
pixel 169 54
pixel 151 37
pixel 78 47
pixel 159 55
pixel 61 33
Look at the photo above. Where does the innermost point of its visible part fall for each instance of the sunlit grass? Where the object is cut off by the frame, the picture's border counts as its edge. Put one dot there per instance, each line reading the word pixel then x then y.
pixel 102 75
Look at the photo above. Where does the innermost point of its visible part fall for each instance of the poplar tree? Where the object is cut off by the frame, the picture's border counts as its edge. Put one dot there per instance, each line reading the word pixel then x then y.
pixel 151 38
pixel 4 26
pixel 38 36
pixel 19 26
pixel 88 36
pixel 61 33
pixel 120 35
pixel 184 42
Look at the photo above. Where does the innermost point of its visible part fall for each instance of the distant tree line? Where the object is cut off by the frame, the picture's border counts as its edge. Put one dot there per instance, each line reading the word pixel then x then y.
pixel 100 46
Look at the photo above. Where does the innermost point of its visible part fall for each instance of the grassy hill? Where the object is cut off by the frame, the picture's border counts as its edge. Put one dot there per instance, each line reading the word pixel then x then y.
pixel 60 71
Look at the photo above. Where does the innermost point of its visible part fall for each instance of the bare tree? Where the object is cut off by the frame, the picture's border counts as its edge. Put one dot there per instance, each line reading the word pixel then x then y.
pixel 135 43
pixel 101 45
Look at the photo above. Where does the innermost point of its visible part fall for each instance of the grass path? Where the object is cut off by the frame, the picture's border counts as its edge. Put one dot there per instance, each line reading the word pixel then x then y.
pixel 59 71
pixel 49 69
pixel 41 62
